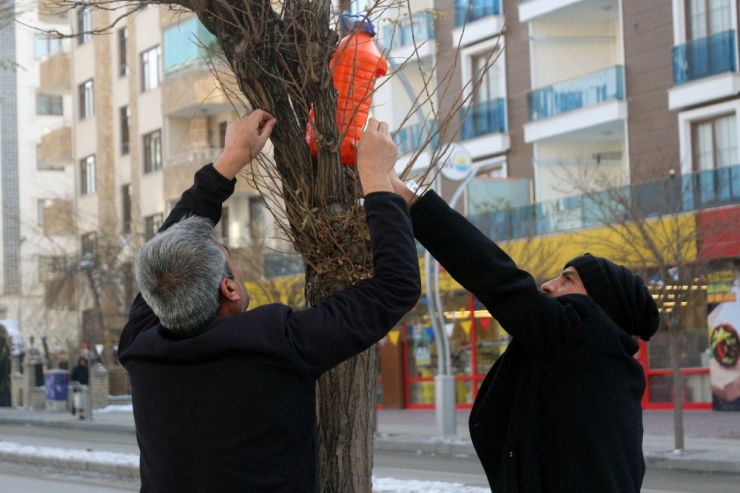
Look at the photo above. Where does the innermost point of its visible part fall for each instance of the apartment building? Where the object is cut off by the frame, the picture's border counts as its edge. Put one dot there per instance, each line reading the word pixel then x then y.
pixel 149 105
pixel 37 185
pixel 583 93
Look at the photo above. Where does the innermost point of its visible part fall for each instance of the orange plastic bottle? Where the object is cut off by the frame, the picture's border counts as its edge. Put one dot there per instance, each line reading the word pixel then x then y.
pixel 355 65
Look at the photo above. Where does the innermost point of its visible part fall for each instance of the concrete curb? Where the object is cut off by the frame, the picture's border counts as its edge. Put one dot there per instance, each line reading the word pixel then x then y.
pixel 700 459
pixel 79 425
pixel 688 461
pixel 123 471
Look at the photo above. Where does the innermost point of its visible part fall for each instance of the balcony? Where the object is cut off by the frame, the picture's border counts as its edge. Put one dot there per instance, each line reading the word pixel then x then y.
pixel 483 118
pixel 55 74
pixel 476 20
pixel 196 91
pixel 467 11
pixel 56 145
pixel 688 193
pixel 50 11
pixel 569 95
pixel 704 70
pixel 411 137
pixel 704 57
pixel 414 34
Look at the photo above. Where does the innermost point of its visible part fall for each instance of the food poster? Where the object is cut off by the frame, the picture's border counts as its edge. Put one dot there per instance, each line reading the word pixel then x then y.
pixel 723 307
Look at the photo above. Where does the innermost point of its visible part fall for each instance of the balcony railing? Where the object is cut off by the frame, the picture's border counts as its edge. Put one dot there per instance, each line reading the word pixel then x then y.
pixel 483 118
pixel 196 156
pixel 704 57
pixel 411 137
pixel 686 193
pixel 467 11
pixel 573 94
pixel 416 29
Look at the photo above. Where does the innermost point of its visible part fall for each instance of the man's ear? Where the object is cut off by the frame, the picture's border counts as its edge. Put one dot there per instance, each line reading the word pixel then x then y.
pixel 228 289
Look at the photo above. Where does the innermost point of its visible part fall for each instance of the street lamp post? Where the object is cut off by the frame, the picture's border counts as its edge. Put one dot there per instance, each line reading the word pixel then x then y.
pixel 444 382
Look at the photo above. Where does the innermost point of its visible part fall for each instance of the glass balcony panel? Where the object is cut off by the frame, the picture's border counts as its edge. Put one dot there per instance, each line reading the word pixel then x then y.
pixel 418 28
pixel 485 117
pixel 704 57
pixel 467 11
pixel 187 44
pixel 691 192
pixel 573 94
pixel 411 137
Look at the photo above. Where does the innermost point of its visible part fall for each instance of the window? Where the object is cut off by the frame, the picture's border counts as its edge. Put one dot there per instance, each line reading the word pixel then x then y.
pixel 123 51
pixel 44 46
pixel 84 25
pixel 484 70
pixel 40 206
pixel 48 104
pixel 224 223
pixel 88 182
pixel 85 95
pixel 49 265
pixel 707 17
pixel 151 226
pixel 88 249
pixel 150 71
pixel 124 115
pixel 256 219
pixel 222 134
pixel 715 142
pixel 152 151
pixel 126 209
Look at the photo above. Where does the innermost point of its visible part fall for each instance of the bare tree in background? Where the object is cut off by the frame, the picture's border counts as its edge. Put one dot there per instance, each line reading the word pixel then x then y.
pixel 653 229
pixel 278 56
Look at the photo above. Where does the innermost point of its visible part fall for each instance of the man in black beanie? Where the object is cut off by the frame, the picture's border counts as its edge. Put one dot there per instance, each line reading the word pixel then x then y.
pixel 560 410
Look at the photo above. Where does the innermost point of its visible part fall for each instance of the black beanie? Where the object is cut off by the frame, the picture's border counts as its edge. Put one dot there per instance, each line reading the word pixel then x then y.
pixel 621 293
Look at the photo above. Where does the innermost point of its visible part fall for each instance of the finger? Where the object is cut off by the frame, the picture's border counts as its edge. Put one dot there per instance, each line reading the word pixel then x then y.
pixel 372 124
pixel 383 127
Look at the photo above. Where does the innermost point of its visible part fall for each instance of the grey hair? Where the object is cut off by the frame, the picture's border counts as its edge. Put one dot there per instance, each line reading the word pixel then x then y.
pixel 179 274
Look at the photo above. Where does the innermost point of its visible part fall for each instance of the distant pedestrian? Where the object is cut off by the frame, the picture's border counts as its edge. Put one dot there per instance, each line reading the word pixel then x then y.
pixel 224 398
pixel 81 372
pixel 560 410
pixel 80 376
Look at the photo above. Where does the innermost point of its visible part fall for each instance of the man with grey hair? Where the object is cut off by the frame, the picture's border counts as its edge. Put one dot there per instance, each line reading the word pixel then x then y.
pixel 224 398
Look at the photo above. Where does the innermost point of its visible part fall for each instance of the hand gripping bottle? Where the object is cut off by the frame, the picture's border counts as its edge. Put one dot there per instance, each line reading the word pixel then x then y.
pixel 355 66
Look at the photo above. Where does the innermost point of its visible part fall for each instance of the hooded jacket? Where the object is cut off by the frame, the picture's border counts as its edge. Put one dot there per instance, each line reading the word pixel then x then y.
pixel 232 407
pixel 560 410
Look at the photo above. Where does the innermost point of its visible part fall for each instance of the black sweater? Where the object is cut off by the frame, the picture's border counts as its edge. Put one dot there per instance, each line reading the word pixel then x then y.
pixel 233 407
pixel 560 411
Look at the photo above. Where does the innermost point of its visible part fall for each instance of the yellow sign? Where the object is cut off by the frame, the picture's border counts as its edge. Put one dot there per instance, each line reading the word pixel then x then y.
pixel 394 335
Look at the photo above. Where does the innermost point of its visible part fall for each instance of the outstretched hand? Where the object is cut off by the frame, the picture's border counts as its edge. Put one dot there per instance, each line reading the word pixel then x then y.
pixel 244 140
pixel 376 157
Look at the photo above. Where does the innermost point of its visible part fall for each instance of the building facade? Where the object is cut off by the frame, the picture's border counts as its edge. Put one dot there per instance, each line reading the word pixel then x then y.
pixel 37 188
pixel 581 98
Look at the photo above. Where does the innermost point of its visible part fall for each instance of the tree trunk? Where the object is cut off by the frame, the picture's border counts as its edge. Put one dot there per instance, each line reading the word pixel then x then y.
pixel 281 64
pixel 677 382
pixel 346 400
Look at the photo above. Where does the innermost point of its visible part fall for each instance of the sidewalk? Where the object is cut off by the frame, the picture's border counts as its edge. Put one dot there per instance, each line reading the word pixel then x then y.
pixel 712 438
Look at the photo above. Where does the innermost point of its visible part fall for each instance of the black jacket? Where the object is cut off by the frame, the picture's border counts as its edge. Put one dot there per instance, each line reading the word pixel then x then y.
pixel 233 407
pixel 560 410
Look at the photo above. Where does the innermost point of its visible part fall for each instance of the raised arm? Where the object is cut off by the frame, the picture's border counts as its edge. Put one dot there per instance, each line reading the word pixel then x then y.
pixel 483 268
pixel 349 322
pixel 213 184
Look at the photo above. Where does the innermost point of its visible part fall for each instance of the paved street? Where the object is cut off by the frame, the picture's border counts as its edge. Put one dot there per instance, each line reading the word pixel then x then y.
pixel 409 456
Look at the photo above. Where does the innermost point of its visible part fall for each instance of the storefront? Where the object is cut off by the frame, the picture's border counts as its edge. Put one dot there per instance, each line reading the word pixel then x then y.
pixel 408 356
